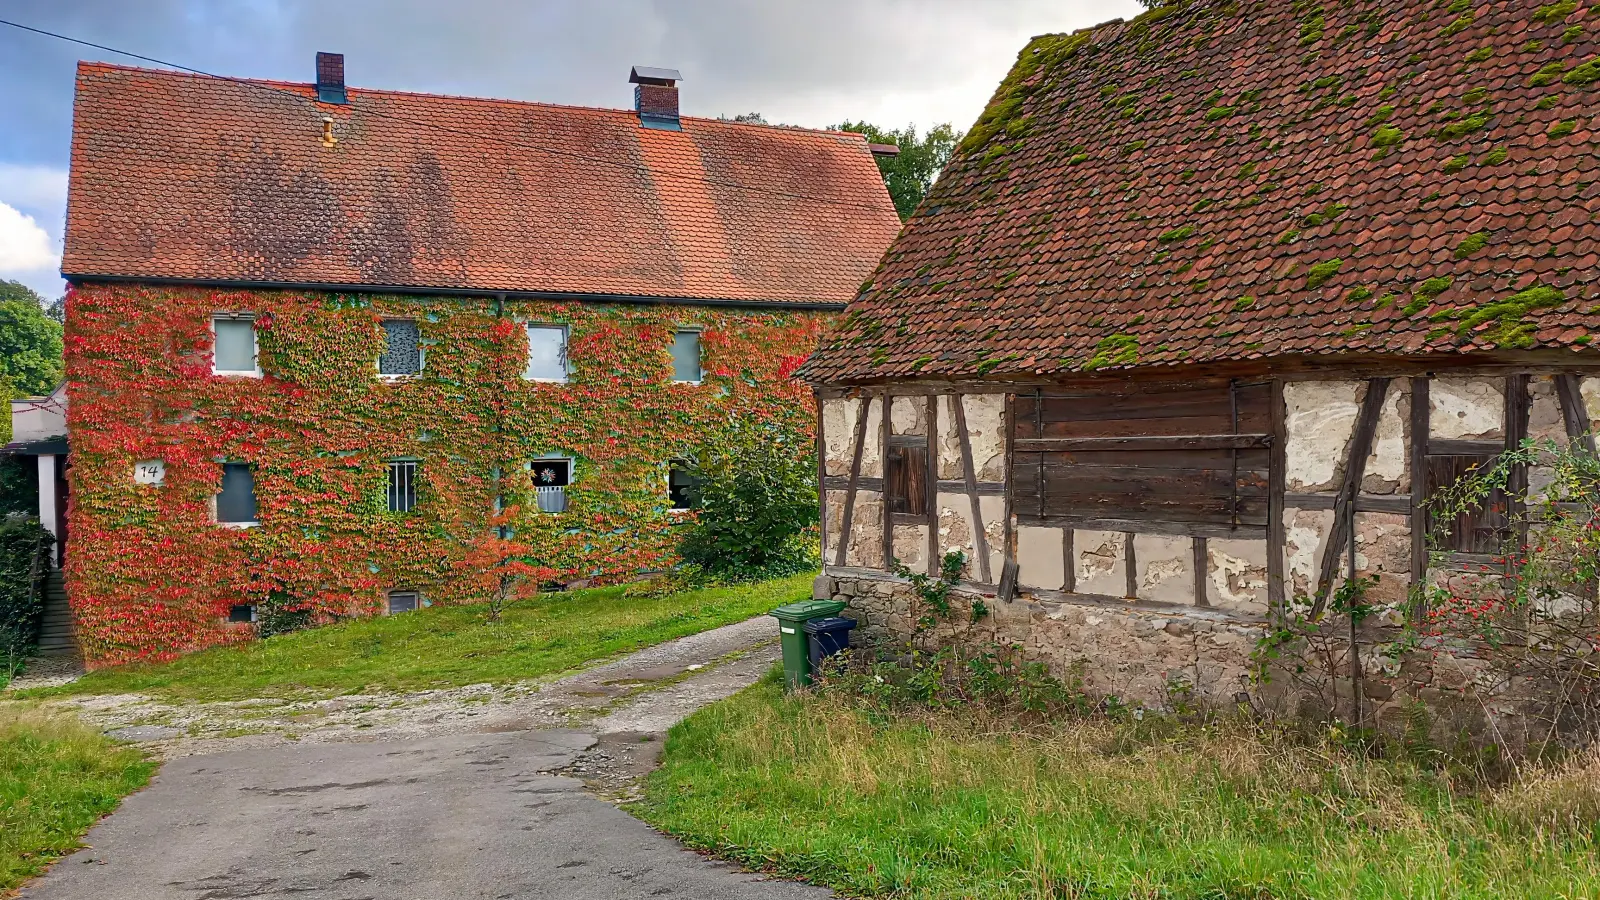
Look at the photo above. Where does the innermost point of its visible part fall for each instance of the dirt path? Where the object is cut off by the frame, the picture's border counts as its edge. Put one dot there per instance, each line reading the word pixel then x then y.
pixel 627 704
pixel 479 791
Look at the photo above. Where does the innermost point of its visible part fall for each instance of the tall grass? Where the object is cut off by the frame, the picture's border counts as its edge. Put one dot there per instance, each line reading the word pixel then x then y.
pixel 57 778
pixel 441 647
pixel 967 805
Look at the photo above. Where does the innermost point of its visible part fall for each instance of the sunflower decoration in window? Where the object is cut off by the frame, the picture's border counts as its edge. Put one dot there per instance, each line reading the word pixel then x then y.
pixel 550 476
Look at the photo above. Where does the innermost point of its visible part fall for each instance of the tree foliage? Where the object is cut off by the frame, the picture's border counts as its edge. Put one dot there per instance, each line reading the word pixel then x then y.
pixel 911 173
pixel 757 502
pixel 30 342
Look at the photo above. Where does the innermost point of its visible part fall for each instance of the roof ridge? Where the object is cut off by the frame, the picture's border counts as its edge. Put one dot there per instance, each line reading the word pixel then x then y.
pixel 308 90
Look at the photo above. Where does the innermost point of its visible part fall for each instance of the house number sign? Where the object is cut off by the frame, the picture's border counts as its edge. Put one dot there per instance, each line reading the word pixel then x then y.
pixel 152 471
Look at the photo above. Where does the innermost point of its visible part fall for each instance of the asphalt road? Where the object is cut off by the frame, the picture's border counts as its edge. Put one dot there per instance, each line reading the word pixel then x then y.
pixel 455 816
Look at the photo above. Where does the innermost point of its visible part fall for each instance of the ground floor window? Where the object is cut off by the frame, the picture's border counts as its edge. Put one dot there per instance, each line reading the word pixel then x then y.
pixel 242 613
pixel 551 476
pixel 236 502
pixel 682 484
pixel 404 601
pixel 402 485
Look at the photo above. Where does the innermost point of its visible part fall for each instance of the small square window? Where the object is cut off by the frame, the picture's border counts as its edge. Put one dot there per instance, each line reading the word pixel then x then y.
pixel 242 613
pixel 404 601
pixel 402 485
pixel 402 353
pixel 686 357
pixel 547 353
pixel 550 476
pixel 236 502
pixel 234 352
pixel 682 485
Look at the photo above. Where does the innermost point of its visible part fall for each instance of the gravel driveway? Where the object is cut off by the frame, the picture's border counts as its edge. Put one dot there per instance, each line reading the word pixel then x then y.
pixel 439 797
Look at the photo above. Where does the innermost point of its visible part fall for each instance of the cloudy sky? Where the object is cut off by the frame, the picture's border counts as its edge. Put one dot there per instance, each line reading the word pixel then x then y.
pixel 803 62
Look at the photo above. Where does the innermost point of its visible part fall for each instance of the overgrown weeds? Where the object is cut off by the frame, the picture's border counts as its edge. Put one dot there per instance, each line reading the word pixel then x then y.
pixel 979 777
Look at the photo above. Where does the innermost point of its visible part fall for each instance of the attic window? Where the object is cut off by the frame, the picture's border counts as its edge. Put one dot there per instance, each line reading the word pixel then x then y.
pixel 402 353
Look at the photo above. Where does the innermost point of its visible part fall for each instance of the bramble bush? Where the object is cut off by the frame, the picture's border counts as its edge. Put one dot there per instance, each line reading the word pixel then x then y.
pixel 755 485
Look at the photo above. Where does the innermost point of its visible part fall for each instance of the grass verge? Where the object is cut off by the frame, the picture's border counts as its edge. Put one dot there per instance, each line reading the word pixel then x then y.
pixel 946 805
pixel 441 647
pixel 57 778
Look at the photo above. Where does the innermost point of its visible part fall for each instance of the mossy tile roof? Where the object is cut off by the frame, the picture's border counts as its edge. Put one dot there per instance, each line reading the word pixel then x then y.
pixel 1219 181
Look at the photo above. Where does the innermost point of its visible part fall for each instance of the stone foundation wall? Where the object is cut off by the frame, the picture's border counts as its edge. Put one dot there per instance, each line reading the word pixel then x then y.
pixel 1142 654
pixel 1135 653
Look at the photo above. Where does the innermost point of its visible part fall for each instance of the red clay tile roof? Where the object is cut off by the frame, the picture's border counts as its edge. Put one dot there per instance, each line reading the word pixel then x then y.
pixel 1226 181
pixel 185 177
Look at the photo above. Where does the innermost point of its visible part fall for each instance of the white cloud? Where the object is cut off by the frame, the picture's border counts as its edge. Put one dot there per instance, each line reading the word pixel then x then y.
pixel 24 246
pixel 38 189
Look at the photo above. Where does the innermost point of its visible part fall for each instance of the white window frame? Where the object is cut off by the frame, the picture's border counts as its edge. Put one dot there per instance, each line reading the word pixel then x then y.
pixel 566 354
pixel 422 353
pixel 255 345
pixel 255 523
pixel 700 362
pixel 572 469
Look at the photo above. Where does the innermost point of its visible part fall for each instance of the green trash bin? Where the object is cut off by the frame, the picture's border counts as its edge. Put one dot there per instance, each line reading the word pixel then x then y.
pixel 793 637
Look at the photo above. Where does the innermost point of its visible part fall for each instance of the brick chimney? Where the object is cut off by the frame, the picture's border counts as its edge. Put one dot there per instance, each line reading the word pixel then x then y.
pixel 330 78
pixel 655 97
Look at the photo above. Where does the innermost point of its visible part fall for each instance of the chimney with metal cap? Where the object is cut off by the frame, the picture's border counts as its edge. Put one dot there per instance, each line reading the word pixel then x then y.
pixel 655 97
pixel 330 78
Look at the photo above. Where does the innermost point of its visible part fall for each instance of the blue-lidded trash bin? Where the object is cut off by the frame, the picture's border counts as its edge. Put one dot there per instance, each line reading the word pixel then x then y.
pixel 828 636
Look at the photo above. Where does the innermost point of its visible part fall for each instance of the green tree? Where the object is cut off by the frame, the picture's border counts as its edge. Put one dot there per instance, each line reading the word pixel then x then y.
pixel 910 173
pixel 757 497
pixel 30 342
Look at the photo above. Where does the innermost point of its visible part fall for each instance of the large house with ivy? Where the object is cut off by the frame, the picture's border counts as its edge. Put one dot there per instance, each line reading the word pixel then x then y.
pixel 321 338
pixel 1204 310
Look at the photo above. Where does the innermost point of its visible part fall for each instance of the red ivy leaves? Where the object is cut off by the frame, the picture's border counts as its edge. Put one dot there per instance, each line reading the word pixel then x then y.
pixel 151 576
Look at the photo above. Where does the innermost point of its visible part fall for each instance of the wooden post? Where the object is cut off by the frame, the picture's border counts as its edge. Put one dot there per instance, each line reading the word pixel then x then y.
pixel 1201 565
pixel 980 538
pixel 933 484
pixel 1574 413
pixel 855 478
pixel 1517 407
pixel 1276 487
pixel 1419 487
pixel 1344 508
pixel 1069 561
pixel 822 477
pixel 885 430
pixel 1131 564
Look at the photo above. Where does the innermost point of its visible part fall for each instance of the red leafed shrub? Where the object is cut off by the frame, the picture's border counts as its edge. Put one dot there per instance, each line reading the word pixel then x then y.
pixel 151 575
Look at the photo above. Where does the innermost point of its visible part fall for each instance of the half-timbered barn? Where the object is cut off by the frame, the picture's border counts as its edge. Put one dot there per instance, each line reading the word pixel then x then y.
pixel 1204 309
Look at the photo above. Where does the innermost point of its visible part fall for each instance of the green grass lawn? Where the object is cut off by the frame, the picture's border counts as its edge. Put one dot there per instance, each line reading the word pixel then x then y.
pixel 961 805
pixel 442 647
pixel 57 778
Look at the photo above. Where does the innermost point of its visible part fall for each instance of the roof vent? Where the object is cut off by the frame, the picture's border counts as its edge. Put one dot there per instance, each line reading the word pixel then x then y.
pixel 655 97
pixel 330 78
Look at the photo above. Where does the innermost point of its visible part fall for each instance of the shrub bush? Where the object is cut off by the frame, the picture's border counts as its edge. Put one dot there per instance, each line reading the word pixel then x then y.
pixel 23 566
pixel 756 490
pixel 19 483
